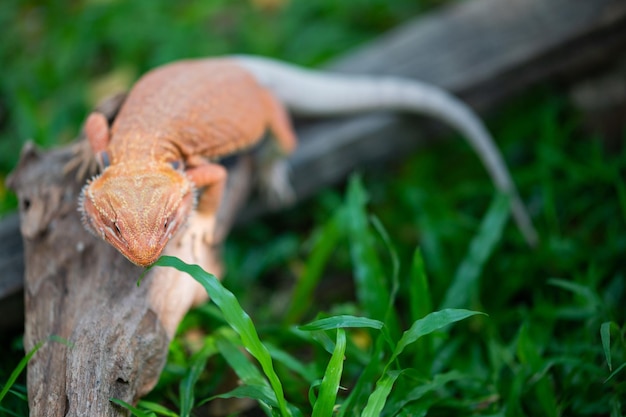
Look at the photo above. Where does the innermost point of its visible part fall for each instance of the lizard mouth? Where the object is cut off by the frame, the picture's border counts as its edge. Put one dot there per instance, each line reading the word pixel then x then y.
pixel 142 258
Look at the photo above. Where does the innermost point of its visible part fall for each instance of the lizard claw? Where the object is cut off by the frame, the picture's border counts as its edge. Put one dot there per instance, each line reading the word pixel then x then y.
pixel 82 161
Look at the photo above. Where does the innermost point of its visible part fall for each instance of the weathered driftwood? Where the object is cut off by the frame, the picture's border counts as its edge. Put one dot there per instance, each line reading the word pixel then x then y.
pixel 79 288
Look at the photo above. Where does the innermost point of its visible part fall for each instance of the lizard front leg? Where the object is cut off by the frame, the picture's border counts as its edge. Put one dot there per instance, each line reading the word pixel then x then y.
pixel 211 178
pixel 87 153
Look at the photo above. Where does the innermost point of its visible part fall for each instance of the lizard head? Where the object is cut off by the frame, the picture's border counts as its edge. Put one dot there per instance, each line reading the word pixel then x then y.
pixel 138 210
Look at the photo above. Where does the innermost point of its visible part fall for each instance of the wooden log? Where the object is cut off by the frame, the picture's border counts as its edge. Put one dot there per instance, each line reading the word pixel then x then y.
pixel 80 289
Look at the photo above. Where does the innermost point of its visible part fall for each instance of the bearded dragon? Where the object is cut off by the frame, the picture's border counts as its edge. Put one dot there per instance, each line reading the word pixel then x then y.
pixel 180 119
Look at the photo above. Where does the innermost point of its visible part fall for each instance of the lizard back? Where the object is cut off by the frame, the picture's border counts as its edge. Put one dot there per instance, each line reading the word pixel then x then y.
pixel 211 108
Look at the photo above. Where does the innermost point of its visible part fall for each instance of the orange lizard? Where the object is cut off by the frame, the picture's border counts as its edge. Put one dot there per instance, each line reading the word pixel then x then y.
pixel 179 119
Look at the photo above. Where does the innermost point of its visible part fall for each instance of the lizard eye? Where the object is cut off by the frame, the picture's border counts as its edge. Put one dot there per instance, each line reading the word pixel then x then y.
pixel 117 228
pixel 176 164
pixel 169 225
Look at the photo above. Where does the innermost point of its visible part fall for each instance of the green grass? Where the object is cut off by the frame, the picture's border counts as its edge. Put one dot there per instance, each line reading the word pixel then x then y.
pixel 347 295
pixel 386 359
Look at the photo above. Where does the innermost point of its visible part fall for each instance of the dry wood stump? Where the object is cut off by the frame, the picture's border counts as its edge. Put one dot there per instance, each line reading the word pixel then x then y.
pixel 78 288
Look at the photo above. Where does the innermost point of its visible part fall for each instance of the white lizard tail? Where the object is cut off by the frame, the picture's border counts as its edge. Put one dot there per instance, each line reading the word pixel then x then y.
pixel 321 93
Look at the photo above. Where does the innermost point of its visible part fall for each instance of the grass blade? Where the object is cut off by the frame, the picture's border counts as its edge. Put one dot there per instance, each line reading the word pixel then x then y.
pixel 465 282
pixel 377 400
pixel 322 338
pixel 332 377
pixel 367 379
pixel 605 335
pixel 157 409
pixel 371 288
pixel 344 321
pixel 237 318
pixel 591 299
pixel 615 372
pixel 527 349
pixel 187 384
pixel 419 291
pixel 134 410
pixel 18 369
pixel 312 387
pixel 430 323
pixel 8 412
pixel 304 370
pixel 415 394
pixel 303 292
pixel 395 261
pixel 621 193
pixel 420 304
pixel 421 327
pixel 262 393
pixel 243 367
